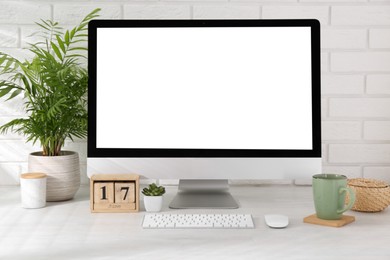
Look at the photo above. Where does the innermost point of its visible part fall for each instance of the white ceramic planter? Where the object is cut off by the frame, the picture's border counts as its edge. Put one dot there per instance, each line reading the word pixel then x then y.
pixel 153 203
pixel 63 173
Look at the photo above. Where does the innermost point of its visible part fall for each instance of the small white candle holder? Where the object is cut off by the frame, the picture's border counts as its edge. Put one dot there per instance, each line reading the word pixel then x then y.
pixel 33 190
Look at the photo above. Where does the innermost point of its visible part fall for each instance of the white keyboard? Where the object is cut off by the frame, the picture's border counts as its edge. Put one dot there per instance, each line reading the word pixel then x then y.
pixel 221 221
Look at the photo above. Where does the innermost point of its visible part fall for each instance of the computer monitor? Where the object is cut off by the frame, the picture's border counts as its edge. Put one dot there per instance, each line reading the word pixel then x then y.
pixel 204 100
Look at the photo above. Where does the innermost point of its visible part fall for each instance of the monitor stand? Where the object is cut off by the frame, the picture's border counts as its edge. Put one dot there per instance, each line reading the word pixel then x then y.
pixel 195 194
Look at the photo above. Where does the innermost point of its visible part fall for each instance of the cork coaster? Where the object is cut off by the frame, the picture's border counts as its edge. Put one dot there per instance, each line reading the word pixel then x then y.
pixel 345 219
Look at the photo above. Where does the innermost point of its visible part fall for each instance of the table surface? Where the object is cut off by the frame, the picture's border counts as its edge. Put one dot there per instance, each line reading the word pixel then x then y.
pixel 67 230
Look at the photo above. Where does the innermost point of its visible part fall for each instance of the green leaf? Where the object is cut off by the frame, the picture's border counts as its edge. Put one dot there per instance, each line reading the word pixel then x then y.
pixel 47 27
pixel 82 26
pixel 82 35
pixel 72 33
pixel 2 59
pixel 76 56
pixel 92 15
pixel 5 91
pixel 94 12
pixel 26 84
pixel 61 43
pixel 14 94
pixel 67 38
pixel 153 190
pixel 79 49
pixel 56 50
pixel 81 40
pixel 8 65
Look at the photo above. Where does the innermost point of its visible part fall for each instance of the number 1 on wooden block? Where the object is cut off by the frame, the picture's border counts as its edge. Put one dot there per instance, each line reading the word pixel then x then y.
pixel 125 194
pixel 103 194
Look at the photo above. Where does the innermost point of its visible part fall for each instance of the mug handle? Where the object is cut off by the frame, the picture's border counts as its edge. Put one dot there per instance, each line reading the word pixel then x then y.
pixel 351 199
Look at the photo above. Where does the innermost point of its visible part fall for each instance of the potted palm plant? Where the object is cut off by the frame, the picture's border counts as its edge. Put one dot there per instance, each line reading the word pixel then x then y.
pixel 153 197
pixel 53 85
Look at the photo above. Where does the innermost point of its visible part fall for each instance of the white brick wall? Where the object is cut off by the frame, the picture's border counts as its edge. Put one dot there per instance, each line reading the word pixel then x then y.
pixel 9 36
pixel 366 15
pixel 157 11
pixel 379 38
pixel 360 61
pixel 71 13
pixel 226 11
pixel 355 68
pixel 354 108
pixel 343 38
pixel 320 12
pixel 26 12
pixel 342 84
pixel 378 84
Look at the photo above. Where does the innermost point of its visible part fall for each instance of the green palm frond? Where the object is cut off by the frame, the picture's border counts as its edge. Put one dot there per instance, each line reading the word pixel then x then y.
pixel 54 86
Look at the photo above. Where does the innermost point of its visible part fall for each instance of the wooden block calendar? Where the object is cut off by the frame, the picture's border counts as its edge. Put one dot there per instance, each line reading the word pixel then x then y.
pixel 114 193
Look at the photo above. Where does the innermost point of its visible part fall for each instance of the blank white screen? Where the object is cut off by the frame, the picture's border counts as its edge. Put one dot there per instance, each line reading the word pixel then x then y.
pixel 221 88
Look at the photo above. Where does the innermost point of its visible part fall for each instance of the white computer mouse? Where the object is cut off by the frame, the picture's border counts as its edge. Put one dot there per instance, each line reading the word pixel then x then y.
pixel 276 220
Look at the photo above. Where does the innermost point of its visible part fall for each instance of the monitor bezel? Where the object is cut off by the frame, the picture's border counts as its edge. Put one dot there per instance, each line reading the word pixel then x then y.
pixel 94 151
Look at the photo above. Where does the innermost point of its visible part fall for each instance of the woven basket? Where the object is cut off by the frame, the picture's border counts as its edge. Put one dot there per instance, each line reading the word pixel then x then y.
pixel 371 195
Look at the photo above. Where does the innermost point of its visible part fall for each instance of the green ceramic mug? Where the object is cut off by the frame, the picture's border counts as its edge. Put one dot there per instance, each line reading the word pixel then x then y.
pixel 329 192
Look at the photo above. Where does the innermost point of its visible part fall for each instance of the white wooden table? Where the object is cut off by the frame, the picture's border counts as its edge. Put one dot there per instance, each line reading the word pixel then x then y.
pixel 67 230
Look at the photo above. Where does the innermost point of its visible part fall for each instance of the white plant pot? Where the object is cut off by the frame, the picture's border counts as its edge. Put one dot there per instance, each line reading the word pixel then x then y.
pixel 63 173
pixel 153 203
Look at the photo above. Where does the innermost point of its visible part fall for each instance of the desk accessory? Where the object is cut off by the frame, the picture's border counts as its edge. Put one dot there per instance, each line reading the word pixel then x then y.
pixel 63 173
pixel 199 221
pixel 276 220
pixel 114 193
pixel 371 195
pixel 344 220
pixel 329 195
pixel 153 197
pixel 33 190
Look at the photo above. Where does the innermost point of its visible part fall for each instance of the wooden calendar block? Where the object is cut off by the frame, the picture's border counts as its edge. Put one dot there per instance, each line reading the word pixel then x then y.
pixel 103 194
pixel 114 193
pixel 125 194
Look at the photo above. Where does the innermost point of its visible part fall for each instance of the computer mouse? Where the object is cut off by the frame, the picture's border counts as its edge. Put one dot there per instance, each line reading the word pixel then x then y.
pixel 276 220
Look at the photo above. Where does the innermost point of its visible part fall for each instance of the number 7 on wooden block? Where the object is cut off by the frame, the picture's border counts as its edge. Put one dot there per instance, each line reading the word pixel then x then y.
pixel 125 194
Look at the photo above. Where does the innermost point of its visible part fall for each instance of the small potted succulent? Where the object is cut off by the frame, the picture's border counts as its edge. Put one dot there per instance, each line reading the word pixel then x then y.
pixel 153 197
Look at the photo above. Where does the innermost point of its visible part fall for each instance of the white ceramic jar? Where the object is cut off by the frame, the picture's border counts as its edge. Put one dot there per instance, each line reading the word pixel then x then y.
pixel 33 190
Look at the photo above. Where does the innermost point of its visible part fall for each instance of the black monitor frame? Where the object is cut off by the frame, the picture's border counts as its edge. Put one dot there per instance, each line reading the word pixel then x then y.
pixel 93 151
